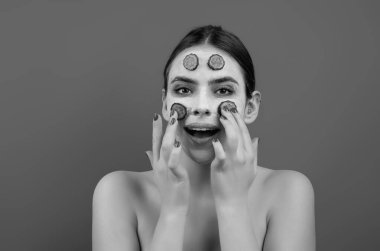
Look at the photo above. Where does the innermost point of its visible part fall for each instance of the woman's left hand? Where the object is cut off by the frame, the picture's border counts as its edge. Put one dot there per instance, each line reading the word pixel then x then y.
pixel 235 165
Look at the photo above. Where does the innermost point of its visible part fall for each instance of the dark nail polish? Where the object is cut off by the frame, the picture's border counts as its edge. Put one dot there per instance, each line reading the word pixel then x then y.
pixel 222 117
pixel 234 110
pixel 177 143
pixel 155 116
pixel 215 139
pixel 172 121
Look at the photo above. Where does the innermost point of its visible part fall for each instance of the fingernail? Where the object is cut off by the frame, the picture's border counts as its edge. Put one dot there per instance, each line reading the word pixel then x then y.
pixel 225 108
pixel 155 116
pixel 177 143
pixel 234 110
pixel 172 113
pixel 172 121
pixel 222 117
pixel 215 140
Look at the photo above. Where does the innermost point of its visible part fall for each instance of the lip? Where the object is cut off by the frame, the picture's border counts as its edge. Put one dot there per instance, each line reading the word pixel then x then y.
pixel 202 125
pixel 201 140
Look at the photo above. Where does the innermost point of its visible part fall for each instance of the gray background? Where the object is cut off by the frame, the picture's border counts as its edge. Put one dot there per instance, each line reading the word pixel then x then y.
pixel 80 81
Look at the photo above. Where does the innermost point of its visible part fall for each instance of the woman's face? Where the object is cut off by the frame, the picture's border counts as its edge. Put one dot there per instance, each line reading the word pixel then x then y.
pixel 201 91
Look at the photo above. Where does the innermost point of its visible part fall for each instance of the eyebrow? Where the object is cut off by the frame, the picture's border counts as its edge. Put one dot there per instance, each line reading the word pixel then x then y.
pixel 211 82
pixel 222 80
pixel 184 79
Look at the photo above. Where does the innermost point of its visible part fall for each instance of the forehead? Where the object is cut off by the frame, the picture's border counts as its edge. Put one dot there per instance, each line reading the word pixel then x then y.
pixel 231 67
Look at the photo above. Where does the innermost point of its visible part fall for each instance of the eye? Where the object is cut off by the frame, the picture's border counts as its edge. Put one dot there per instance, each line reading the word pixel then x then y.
pixel 182 90
pixel 224 90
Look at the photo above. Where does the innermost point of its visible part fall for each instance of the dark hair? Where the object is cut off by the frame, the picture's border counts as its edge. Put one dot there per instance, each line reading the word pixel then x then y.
pixel 223 40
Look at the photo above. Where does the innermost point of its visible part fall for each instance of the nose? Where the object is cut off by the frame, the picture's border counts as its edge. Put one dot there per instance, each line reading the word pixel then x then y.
pixel 201 111
pixel 201 106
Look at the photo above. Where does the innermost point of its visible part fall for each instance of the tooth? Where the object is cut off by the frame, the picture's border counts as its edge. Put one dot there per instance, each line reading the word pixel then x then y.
pixel 202 129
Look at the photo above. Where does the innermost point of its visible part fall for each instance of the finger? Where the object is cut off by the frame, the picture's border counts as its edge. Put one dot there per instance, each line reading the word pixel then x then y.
pixel 230 117
pixel 173 163
pixel 231 129
pixel 220 156
pixel 169 137
pixel 149 154
pixel 246 137
pixel 156 138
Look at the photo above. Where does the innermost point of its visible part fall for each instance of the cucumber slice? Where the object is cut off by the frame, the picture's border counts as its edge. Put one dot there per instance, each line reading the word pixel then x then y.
pixel 181 110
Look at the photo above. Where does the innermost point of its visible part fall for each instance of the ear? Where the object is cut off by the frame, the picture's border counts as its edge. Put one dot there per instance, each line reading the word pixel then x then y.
pixel 252 106
pixel 165 112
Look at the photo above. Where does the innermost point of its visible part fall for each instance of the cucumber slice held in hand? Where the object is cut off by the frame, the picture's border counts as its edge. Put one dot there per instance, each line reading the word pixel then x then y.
pixel 226 104
pixel 180 109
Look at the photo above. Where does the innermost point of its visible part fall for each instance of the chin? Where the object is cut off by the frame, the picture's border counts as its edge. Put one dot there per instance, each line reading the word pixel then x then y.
pixel 202 156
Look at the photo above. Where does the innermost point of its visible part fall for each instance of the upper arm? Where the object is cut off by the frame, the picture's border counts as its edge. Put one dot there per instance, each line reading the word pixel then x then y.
pixel 292 221
pixel 114 222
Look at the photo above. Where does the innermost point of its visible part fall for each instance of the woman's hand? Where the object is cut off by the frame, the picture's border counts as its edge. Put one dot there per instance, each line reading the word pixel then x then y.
pixel 170 177
pixel 235 165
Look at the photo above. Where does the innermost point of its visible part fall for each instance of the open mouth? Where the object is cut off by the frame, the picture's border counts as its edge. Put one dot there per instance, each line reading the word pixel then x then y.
pixel 202 132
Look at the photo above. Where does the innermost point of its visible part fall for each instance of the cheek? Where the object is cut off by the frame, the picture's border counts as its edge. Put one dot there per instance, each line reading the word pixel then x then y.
pixel 240 108
pixel 182 101
pixel 186 102
pixel 214 102
pixel 239 102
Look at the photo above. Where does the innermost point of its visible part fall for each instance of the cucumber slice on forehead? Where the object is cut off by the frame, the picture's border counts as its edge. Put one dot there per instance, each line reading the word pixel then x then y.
pixel 216 62
pixel 190 62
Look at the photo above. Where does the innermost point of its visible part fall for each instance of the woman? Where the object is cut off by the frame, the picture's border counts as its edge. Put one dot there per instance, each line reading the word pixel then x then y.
pixel 206 191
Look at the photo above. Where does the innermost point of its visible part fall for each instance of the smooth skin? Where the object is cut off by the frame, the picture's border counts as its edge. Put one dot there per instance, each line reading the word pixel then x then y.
pixel 210 196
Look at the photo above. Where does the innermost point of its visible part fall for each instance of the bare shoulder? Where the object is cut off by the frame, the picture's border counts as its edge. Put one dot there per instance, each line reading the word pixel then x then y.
pixel 288 186
pixel 286 178
pixel 112 192
pixel 114 219
pixel 115 181
pixel 123 184
pixel 290 212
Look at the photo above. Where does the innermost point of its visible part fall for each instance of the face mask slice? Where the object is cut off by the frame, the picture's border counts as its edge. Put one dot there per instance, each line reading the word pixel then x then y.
pixel 180 109
pixel 190 62
pixel 226 105
pixel 215 62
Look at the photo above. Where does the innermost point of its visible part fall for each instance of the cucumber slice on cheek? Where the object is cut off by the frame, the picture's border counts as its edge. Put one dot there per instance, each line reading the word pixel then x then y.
pixel 228 104
pixel 180 109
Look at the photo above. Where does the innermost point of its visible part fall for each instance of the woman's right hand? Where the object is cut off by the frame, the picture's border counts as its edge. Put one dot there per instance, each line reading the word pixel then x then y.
pixel 171 178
